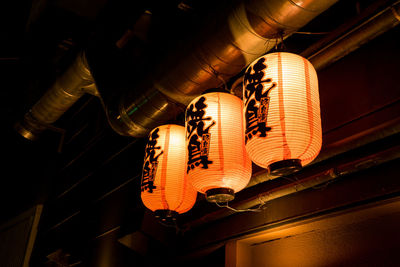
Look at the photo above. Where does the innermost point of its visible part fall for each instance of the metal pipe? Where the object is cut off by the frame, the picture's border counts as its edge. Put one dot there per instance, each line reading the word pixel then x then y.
pixel 229 42
pixel 365 14
pixel 260 195
pixel 384 130
pixel 344 40
pixel 347 43
pixel 241 36
pixel 65 91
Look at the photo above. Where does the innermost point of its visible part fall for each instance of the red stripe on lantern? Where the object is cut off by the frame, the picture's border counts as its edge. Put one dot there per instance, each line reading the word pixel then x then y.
pixel 282 114
pixel 216 118
pixel 286 150
pixel 309 105
pixel 164 184
pixel 164 168
pixel 220 146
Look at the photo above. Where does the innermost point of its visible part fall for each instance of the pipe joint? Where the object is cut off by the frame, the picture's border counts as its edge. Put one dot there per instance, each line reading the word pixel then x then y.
pixel 66 90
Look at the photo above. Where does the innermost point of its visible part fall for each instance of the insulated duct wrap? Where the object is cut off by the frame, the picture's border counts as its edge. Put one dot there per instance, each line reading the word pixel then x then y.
pixel 228 44
pixel 65 91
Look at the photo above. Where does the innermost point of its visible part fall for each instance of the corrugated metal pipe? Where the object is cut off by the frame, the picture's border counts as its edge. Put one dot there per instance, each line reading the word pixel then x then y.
pixel 324 53
pixel 227 45
pixel 344 41
pixel 353 39
pixel 259 196
pixel 66 90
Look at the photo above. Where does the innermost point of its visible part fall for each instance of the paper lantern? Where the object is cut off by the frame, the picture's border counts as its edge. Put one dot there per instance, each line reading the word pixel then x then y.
pixel 165 188
pixel 281 112
pixel 217 161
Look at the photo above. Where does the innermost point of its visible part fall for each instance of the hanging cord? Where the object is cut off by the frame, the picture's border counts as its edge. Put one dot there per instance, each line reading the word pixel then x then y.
pixel 238 82
pixel 311 33
pixel 283 47
pixel 279 45
pixel 276 44
pixel 258 209
pixel 218 76
pixel 297 183
pixel 267 45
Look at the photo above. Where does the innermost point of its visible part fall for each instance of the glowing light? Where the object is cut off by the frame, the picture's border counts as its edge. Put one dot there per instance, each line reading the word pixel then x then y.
pixel 282 112
pixel 164 184
pixel 218 164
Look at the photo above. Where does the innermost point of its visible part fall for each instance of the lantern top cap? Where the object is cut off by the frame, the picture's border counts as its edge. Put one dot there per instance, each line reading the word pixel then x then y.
pixel 283 54
pixel 167 126
pixel 215 90
pixel 208 93
pixel 280 52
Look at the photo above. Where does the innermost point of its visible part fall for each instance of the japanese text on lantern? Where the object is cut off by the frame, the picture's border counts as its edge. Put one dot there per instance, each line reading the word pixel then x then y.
pixel 151 162
pixel 256 109
pixel 198 135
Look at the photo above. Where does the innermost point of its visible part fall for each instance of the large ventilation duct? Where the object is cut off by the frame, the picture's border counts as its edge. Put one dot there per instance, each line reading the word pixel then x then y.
pixel 221 51
pixel 376 25
pixel 67 89
pixel 228 43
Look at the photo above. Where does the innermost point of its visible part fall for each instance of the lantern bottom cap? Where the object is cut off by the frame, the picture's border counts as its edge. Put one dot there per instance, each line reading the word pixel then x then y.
pixel 220 194
pixel 166 215
pixel 284 167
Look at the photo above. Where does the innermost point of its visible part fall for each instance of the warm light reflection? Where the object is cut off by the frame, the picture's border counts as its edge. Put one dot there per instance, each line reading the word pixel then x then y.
pixel 217 157
pixel 281 111
pixel 164 184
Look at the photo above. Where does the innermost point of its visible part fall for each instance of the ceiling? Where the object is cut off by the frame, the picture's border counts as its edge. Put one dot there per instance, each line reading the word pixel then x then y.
pixel 86 175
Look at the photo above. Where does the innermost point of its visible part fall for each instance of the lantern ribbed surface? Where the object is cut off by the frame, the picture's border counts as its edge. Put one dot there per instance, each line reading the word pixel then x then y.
pixel 164 183
pixel 216 155
pixel 281 109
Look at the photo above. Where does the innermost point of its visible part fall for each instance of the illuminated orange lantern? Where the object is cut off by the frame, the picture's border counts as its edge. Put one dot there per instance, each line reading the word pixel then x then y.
pixel 281 112
pixel 165 188
pixel 217 161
